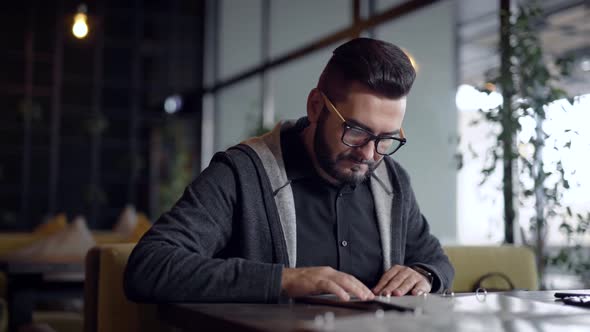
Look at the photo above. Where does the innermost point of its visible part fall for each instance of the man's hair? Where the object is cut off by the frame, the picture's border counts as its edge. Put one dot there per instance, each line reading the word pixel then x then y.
pixel 382 67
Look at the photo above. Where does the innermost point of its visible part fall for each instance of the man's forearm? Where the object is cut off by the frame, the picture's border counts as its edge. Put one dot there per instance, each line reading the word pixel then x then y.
pixel 164 273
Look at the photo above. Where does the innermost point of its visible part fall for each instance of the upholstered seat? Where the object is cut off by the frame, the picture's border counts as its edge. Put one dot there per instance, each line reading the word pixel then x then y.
pixel 473 262
pixel 106 309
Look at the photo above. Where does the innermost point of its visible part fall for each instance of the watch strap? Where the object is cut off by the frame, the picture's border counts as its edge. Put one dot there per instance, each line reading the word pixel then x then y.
pixel 427 274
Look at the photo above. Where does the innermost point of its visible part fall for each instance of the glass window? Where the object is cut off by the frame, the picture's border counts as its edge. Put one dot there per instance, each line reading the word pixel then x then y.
pixel 239 36
pixel 292 82
pixel 383 5
pixel 238 113
pixel 480 217
pixel 297 23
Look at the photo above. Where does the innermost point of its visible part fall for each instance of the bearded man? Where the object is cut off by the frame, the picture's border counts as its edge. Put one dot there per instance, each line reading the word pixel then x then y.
pixel 316 206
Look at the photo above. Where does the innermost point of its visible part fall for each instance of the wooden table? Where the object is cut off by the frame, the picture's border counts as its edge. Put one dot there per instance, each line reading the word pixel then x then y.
pixel 31 282
pixel 280 317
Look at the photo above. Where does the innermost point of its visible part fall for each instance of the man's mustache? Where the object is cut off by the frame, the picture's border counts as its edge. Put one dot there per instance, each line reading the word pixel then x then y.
pixel 357 160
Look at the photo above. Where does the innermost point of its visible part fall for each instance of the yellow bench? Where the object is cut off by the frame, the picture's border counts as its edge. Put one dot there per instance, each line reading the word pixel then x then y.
pixel 106 308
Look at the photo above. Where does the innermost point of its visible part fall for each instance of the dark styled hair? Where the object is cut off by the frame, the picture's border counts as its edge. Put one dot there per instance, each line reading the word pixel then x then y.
pixel 381 66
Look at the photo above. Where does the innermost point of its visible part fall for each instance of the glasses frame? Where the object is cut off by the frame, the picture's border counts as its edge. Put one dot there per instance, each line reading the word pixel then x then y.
pixel 402 139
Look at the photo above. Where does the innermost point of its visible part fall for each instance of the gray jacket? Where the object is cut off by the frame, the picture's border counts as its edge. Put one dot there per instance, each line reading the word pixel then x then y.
pixel 234 229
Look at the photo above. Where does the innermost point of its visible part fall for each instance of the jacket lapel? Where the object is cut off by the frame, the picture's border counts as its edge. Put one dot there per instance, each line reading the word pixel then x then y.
pixel 383 198
pixel 268 149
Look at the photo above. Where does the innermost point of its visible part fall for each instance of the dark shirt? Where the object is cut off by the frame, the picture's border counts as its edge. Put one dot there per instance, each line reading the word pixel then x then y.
pixel 336 225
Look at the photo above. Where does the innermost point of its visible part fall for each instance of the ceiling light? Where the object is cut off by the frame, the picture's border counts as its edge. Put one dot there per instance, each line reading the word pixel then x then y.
pixel 173 104
pixel 80 27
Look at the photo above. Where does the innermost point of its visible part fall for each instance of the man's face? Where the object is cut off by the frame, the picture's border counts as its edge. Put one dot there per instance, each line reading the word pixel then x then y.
pixel 362 108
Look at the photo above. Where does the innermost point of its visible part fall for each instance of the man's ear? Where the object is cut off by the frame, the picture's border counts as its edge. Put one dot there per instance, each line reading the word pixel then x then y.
pixel 315 105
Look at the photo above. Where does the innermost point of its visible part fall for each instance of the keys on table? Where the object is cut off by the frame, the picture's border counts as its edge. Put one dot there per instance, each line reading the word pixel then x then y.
pixel 582 301
pixel 577 299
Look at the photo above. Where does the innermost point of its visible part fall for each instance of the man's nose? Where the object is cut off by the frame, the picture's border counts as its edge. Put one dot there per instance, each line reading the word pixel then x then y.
pixel 367 151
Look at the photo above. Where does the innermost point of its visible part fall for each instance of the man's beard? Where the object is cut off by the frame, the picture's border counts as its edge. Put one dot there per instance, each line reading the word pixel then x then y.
pixel 329 165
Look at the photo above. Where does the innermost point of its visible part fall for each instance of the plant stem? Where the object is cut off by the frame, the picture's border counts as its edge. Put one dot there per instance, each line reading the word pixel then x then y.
pixel 507 136
pixel 540 198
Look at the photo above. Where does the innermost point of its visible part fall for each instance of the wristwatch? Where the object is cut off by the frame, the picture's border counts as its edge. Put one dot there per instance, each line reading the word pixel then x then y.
pixel 423 272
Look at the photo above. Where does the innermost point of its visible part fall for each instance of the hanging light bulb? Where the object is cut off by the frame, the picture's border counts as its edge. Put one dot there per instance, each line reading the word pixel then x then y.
pixel 80 27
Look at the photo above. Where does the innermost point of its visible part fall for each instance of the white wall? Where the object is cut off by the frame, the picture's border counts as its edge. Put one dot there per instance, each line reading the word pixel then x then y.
pixel 431 115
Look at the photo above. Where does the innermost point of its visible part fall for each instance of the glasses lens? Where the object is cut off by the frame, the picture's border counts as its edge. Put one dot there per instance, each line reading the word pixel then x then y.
pixel 388 145
pixel 354 136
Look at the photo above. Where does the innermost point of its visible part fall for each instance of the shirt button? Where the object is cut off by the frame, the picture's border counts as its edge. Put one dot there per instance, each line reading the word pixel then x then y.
pixel 344 243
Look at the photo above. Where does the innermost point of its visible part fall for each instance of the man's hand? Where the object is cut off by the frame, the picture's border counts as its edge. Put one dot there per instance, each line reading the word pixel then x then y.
pixel 399 280
pixel 304 281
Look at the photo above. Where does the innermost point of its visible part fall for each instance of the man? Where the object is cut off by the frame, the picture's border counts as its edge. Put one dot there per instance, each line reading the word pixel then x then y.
pixel 315 206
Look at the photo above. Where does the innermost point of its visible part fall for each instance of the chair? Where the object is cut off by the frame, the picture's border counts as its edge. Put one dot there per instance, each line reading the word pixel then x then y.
pixel 106 309
pixel 474 262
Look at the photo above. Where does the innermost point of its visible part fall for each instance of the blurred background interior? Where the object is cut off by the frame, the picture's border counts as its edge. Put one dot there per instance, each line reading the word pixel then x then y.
pixel 110 108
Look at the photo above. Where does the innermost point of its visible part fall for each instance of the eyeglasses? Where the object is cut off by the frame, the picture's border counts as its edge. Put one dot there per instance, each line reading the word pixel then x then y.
pixel 355 136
